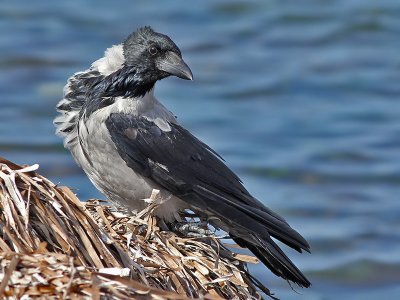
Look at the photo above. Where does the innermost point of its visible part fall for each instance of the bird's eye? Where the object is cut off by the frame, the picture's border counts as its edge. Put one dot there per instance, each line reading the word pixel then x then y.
pixel 153 50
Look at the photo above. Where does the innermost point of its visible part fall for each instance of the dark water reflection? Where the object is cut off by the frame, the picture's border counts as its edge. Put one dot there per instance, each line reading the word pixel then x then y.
pixel 301 100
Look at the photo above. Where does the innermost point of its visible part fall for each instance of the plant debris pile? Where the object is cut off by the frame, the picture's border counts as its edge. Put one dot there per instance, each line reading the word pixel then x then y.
pixel 54 246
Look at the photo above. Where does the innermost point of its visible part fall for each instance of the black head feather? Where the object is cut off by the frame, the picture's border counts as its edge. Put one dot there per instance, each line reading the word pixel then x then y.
pixel 143 48
pixel 149 56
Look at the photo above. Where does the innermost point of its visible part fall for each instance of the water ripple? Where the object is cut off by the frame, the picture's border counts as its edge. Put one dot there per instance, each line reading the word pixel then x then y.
pixel 302 101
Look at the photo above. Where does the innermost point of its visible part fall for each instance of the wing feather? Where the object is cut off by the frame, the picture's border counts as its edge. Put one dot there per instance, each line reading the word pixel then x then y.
pixel 191 170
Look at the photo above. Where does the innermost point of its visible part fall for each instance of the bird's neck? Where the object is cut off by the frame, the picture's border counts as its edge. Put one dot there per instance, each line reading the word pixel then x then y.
pixel 117 79
pixel 126 82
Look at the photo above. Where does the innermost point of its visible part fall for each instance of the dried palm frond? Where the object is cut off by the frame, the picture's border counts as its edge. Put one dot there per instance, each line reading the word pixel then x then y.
pixel 54 246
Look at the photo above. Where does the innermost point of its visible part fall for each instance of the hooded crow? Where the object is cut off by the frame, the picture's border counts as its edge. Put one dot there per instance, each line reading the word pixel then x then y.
pixel 128 144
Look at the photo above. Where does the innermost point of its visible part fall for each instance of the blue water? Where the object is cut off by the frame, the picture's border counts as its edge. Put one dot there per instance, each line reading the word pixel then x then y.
pixel 300 97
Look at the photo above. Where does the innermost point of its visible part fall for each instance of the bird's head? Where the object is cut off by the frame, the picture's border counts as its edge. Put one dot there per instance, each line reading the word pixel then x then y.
pixel 154 56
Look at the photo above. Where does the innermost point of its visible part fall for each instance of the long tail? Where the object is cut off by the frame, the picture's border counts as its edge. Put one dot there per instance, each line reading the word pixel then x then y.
pixel 274 259
pixel 252 225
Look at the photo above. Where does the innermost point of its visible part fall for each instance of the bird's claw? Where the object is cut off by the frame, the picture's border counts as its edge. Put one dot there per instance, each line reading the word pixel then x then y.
pixel 192 229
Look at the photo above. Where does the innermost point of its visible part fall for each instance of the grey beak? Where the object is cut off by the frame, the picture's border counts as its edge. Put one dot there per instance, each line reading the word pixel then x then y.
pixel 175 65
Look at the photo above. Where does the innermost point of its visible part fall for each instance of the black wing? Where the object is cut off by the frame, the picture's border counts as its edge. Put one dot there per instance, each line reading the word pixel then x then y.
pixel 188 168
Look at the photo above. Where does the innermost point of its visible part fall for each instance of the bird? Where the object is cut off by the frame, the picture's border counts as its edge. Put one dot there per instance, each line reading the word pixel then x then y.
pixel 129 144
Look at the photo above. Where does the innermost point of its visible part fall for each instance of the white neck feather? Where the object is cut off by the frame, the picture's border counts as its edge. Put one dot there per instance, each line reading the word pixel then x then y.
pixel 135 106
pixel 112 61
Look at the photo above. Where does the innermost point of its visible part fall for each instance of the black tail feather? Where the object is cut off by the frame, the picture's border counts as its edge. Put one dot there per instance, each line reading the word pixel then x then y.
pixel 275 260
pixel 252 228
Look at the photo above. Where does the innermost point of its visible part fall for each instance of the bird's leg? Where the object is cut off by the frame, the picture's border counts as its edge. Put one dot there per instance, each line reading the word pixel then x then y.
pixel 141 229
pixel 197 229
